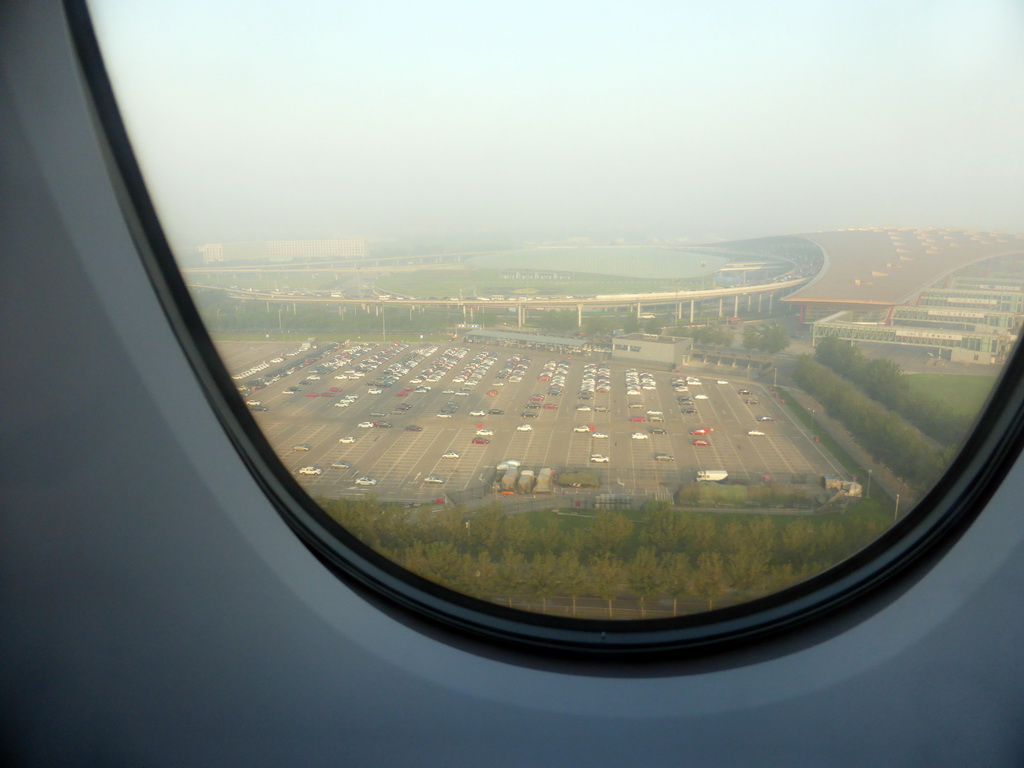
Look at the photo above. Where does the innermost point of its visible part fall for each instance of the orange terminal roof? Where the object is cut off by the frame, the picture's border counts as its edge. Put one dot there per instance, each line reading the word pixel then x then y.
pixel 884 266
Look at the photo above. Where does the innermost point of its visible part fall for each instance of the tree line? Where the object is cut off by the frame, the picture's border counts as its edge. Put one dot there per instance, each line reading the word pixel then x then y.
pixel 665 555
pixel 884 381
pixel 886 435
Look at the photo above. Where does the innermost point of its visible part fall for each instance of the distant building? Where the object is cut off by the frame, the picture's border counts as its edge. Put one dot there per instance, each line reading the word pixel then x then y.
pixel 649 348
pixel 283 250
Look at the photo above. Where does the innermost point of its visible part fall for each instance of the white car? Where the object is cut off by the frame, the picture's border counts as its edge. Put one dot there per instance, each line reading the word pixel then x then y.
pixel 375 391
pixel 342 404
pixel 599 436
pixel 450 455
pixel 485 432
pixel 581 428
pixel 639 436
pixel 598 458
pixel 365 424
pixel 365 481
pixel 310 471
pixel 347 440
pixel 478 413
pixel 755 433
pixel 582 407
pixel 521 428
pixel 722 381
pixel 700 397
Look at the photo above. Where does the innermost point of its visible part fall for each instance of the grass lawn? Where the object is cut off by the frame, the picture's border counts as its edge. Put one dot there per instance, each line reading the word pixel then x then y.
pixel 966 394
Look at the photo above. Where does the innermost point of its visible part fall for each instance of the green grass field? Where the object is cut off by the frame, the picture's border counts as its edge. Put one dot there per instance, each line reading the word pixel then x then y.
pixel 966 394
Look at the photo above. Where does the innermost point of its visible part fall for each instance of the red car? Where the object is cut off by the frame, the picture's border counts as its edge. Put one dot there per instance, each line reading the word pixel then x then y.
pixel 401 394
pixel 480 441
pixel 537 399
pixel 550 406
pixel 639 418
pixel 492 393
pixel 701 442
pixel 335 389
pixel 701 431
pixel 312 394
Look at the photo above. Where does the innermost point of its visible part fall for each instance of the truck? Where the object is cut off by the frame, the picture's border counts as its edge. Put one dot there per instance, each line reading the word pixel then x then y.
pixel 508 480
pixel 544 480
pixel 526 480
pixel 712 475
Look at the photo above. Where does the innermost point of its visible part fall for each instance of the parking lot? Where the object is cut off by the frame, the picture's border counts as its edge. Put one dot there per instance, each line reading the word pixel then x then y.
pixel 399 461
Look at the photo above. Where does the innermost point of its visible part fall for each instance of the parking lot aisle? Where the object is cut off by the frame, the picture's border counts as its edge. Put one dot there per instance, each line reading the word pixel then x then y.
pixel 408 450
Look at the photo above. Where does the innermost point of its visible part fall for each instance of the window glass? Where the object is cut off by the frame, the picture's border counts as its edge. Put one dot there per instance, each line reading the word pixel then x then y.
pixel 627 311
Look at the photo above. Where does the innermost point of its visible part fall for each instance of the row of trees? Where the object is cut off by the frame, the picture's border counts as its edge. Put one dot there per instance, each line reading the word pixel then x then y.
pixel 886 435
pixel 884 381
pixel 770 339
pixel 663 554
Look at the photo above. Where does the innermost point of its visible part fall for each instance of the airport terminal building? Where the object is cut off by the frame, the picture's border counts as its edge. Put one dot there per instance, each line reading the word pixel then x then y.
pixel 957 293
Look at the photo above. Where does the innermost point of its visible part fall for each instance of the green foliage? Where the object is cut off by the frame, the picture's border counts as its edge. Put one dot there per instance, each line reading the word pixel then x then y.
pixel 661 553
pixel 768 339
pixel 707 335
pixel 883 433
pixel 884 381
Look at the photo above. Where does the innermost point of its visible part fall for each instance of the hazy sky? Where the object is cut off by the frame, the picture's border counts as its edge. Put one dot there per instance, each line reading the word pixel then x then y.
pixel 701 120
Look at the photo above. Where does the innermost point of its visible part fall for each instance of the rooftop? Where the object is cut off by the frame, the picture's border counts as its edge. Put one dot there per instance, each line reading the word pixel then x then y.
pixel 884 266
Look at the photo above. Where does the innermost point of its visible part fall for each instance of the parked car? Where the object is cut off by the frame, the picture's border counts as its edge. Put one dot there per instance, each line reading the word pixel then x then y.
pixel 310 471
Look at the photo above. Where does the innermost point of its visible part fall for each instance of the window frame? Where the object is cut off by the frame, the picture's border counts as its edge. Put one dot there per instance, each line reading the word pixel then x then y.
pixel 888 565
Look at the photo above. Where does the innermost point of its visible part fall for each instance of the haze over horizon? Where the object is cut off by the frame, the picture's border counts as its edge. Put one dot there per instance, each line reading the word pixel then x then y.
pixel 545 121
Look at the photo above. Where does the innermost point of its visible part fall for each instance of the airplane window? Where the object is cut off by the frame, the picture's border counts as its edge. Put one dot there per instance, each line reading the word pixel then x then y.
pixel 652 320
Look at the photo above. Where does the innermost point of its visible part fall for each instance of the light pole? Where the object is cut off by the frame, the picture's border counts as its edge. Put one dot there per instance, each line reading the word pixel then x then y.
pixel 868 495
pixel 896 512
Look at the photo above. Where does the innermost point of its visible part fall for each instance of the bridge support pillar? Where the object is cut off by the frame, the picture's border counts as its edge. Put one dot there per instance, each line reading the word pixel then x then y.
pixel 721 306
pixel 736 305
pixel 693 304
pixel 760 297
pixel 579 315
